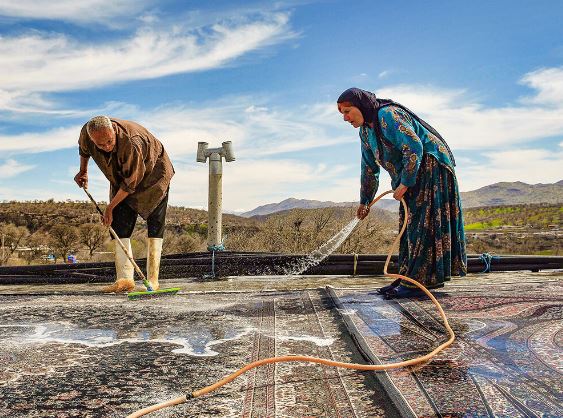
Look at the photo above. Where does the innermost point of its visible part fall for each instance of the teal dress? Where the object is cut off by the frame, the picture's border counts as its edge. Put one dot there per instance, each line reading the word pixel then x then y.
pixel 433 246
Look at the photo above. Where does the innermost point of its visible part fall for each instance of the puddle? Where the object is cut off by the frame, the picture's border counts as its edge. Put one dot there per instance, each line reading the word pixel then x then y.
pixel 197 342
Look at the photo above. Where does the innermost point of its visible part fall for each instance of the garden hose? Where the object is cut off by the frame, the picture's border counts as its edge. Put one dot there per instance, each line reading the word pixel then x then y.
pixel 354 366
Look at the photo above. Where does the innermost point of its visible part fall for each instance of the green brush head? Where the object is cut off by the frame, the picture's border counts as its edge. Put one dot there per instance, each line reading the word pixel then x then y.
pixel 153 294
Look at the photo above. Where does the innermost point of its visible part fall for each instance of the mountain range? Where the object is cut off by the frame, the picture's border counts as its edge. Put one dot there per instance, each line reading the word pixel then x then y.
pixel 497 194
pixel 514 193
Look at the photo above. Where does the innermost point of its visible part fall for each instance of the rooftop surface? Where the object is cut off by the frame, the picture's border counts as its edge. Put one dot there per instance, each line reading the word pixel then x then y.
pixel 67 350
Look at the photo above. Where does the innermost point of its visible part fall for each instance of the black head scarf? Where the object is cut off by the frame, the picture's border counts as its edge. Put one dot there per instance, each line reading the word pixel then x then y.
pixel 369 105
pixel 365 101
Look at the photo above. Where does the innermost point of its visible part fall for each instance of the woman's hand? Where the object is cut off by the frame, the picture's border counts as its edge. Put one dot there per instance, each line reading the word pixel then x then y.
pixel 362 211
pixel 400 191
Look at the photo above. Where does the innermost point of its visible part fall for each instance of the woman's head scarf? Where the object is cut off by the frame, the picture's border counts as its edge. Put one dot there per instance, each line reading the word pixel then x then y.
pixel 365 101
pixel 369 105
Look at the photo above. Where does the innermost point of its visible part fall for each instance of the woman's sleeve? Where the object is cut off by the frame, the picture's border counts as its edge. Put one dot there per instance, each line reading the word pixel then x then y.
pixel 370 174
pixel 397 128
pixel 133 167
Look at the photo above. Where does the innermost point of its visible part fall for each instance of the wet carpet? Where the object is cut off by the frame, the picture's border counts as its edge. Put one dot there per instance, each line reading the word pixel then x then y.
pixel 507 359
pixel 101 356
pixel 71 352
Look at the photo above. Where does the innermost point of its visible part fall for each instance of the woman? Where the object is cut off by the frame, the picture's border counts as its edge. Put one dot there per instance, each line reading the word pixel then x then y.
pixel 421 167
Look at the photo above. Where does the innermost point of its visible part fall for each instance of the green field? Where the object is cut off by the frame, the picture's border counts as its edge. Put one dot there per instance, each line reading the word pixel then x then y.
pixel 538 217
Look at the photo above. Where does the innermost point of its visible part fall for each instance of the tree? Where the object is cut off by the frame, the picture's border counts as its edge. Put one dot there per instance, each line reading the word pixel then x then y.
pixel 12 236
pixel 370 236
pixel 182 243
pixel 321 219
pixel 242 239
pixel 36 243
pixel 64 239
pixel 92 236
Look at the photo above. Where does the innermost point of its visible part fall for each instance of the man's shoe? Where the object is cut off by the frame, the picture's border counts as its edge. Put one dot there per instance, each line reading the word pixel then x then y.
pixel 120 285
pixel 154 251
pixel 123 269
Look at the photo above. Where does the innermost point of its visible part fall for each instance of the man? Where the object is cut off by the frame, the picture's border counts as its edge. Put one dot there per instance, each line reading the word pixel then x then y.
pixel 139 172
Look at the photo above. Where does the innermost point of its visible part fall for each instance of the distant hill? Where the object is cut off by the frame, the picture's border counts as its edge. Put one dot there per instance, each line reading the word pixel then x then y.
pixel 292 203
pixel 514 193
pixel 338 212
pixel 516 229
pixel 498 194
pixel 43 215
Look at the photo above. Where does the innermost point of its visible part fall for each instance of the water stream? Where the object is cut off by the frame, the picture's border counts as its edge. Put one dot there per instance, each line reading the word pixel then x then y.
pixel 323 251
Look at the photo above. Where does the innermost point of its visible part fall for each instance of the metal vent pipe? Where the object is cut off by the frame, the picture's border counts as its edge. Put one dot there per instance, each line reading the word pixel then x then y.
pixel 215 196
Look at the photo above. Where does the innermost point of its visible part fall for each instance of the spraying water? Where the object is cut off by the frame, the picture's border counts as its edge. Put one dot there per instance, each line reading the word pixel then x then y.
pixel 323 251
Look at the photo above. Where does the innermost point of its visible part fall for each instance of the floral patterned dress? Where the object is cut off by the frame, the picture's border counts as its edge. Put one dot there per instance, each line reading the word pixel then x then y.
pixel 433 246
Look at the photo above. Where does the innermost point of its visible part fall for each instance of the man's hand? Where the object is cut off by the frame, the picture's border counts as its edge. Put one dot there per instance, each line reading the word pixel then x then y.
pixel 400 191
pixel 82 179
pixel 362 211
pixel 108 216
pixel 117 199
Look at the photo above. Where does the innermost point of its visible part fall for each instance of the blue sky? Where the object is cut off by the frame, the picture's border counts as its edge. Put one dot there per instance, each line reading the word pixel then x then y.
pixel 266 75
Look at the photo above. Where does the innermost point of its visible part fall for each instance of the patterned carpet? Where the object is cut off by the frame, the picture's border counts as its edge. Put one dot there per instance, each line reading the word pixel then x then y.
pixel 80 354
pixel 507 359
pixel 103 356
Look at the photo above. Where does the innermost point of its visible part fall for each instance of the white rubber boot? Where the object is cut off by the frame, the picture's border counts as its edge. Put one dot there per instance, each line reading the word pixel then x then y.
pixel 154 251
pixel 123 268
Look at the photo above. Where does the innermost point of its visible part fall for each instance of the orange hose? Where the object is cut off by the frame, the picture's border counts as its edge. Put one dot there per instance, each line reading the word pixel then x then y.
pixel 355 366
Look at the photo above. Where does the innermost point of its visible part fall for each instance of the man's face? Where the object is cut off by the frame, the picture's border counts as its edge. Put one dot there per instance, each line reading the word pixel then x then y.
pixel 352 115
pixel 104 139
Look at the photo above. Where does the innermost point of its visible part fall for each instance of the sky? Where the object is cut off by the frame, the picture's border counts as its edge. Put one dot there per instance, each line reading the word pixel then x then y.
pixel 488 75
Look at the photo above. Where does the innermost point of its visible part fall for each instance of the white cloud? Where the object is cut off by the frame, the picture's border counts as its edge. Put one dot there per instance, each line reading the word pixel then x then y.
pixel 18 105
pixel 384 74
pixel 51 140
pixel 38 63
pixel 83 11
pixel 254 129
pixel 12 168
pixel 261 129
pixel 266 130
pixel 249 183
pixel 56 63
pixel 467 124
pixel 268 141
pixel 549 85
pixel 528 165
